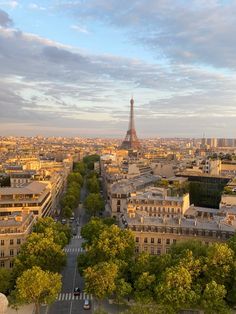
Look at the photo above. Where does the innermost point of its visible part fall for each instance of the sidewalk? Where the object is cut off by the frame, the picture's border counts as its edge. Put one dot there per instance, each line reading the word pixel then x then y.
pixel 26 309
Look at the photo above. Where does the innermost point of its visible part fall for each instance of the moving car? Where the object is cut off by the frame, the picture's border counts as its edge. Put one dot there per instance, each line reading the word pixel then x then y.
pixel 86 305
pixel 76 291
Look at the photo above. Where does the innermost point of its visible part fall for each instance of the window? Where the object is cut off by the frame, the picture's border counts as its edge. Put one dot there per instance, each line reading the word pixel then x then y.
pixel 11 252
pixel 11 241
pixel 2 242
pixel 152 240
pixel 158 251
pixel 159 241
pixel 18 241
pixel 11 264
pixel 2 253
pixel 145 240
pixel 145 248
pixel 2 264
pixel 167 241
pixel 174 241
pixel 152 250
pixel 136 249
pixel 137 239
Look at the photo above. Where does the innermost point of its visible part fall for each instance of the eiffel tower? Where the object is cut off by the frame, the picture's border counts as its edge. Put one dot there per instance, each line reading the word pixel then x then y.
pixel 131 140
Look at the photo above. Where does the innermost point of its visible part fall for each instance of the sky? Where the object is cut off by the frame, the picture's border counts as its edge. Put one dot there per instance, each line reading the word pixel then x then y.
pixel 69 68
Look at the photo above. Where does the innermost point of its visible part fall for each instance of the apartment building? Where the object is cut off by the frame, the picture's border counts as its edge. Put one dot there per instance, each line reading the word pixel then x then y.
pixel 120 191
pixel 157 203
pixel 155 235
pixel 35 197
pixel 159 220
pixel 14 230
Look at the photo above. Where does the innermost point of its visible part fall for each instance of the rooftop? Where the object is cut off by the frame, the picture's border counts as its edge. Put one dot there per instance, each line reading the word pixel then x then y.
pixel 31 188
pixel 217 223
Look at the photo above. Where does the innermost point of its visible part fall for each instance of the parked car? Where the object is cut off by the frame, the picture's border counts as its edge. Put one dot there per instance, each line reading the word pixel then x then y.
pixel 76 291
pixel 87 304
pixel 63 221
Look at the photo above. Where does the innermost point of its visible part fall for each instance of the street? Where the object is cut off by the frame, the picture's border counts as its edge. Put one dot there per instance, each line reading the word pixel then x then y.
pixel 66 302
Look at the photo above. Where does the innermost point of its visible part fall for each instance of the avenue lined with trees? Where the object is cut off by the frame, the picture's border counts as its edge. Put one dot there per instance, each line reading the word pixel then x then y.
pixel 191 275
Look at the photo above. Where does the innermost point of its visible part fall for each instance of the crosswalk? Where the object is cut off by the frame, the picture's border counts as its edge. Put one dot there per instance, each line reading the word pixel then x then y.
pixel 73 250
pixel 71 296
pixel 78 236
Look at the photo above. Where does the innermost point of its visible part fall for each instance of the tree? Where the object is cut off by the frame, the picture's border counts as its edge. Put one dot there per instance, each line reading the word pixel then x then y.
pixel 5 280
pixel 38 287
pixel 79 167
pixel 90 160
pixel 94 204
pixel 66 212
pixel 213 299
pixel 100 279
pixel 219 263
pixel 40 250
pixel 198 249
pixel 75 177
pixel 175 289
pixel 61 233
pixel 93 229
pixel 113 244
pixel 144 287
pixel 69 200
pixel 93 185
pixel 123 288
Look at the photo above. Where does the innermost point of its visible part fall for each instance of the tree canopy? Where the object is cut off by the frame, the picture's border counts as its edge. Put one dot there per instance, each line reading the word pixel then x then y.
pixel 38 287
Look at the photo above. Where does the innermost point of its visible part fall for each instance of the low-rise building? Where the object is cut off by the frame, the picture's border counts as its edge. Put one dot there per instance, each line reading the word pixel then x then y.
pixel 35 197
pixel 14 230
pixel 120 191
pixel 155 235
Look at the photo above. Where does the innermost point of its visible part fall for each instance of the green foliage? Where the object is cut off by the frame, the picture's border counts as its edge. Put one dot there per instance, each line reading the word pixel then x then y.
pixel 90 160
pixel 79 167
pixel 5 280
pixel 144 287
pixel 92 230
pixel 75 177
pixel 113 244
pixel 213 299
pixel 107 247
pixel 94 204
pixel 61 233
pixel 176 288
pixel 196 247
pixel 93 185
pixel 67 212
pixel 40 250
pixel 219 263
pixel 100 279
pixel 38 287
pixel 123 288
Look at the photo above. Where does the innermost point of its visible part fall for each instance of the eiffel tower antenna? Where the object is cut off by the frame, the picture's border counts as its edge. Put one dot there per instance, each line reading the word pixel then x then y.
pixel 131 140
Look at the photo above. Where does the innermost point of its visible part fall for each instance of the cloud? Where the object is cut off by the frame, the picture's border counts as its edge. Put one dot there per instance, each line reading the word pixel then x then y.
pixel 35 6
pixel 200 32
pixel 79 29
pixel 11 4
pixel 49 87
pixel 5 20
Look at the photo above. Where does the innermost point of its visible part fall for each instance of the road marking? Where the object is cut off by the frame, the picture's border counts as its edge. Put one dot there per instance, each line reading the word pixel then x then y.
pixel 73 250
pixel 71 296
pixel 77 237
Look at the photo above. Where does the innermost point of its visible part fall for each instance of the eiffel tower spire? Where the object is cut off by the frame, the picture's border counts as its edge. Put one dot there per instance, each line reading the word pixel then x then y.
pixel 131 140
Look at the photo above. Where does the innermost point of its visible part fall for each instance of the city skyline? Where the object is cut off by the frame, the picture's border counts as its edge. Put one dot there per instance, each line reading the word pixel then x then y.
pixel 70 68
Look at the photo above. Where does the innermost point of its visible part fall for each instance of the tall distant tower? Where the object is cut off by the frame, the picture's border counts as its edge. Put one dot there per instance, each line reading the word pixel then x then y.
pixel 131 141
